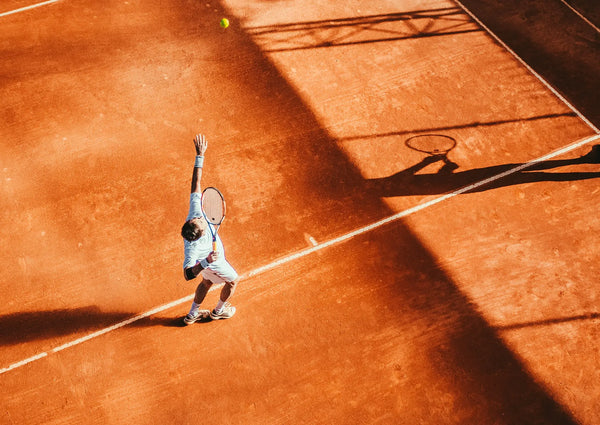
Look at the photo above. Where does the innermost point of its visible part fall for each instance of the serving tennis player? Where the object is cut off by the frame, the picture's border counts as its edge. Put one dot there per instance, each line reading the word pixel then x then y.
pixel 203 257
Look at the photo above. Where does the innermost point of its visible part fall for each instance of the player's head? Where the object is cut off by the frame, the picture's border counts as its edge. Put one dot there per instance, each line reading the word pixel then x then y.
pixel 193 229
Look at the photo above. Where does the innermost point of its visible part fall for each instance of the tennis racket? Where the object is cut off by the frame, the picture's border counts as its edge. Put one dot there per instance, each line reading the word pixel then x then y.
pixel 213 208
pixel 432 144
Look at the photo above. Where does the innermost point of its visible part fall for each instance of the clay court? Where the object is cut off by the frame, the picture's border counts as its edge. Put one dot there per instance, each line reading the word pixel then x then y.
pixel 380 284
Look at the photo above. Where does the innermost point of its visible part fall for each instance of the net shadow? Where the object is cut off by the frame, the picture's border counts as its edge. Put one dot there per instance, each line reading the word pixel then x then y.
pixel 362 30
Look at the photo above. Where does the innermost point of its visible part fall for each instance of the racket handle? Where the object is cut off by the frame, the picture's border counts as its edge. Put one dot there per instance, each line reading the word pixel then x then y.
pixel 215 246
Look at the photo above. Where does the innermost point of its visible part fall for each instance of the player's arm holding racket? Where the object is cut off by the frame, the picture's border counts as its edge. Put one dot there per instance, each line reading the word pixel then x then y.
pixel 191 272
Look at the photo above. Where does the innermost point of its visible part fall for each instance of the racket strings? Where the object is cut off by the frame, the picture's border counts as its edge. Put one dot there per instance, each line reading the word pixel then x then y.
pixel 213 206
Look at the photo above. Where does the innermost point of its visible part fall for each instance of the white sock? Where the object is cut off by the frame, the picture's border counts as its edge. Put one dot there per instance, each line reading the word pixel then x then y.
pixel 195 307
pixel 219 307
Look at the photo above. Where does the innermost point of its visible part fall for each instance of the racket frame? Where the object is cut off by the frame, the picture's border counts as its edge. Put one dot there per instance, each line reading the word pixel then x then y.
pixel 409 143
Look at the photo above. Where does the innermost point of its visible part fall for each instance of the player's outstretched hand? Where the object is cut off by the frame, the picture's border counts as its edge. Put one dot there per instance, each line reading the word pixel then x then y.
pixel 201 144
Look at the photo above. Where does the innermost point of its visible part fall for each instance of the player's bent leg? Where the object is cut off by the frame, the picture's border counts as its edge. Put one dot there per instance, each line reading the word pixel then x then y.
pixel 224 309
pixel 228 290
pixel 201 290
pixel 196 313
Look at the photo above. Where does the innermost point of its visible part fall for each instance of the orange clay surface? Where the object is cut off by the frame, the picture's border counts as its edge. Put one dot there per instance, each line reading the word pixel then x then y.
pixel 483 308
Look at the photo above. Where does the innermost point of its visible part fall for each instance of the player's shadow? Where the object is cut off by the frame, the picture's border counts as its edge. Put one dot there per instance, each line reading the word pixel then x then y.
pixel 21 327
pixel 16 328
pixel 447 179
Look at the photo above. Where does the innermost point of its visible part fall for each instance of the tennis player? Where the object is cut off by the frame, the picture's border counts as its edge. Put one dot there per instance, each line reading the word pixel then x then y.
pixel 200 259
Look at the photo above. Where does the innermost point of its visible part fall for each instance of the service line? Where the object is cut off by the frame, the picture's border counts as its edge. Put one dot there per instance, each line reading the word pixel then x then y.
pixel 308 251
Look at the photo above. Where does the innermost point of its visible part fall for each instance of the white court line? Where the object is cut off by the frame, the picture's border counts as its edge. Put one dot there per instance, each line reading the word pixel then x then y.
pixel 581 16
pixel 23 9
pixel 23 362
pixel 308 251
pixel 530 69
pixel 123 323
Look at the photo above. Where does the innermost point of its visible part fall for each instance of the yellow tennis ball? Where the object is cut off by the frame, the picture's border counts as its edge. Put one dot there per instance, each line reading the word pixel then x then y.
pixel 224 23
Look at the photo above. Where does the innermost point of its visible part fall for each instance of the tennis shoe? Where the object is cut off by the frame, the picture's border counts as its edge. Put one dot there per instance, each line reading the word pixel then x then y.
pixel 194 316
pixel 227 312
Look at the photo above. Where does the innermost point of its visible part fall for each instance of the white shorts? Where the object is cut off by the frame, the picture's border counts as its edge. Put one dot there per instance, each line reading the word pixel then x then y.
pixel 220 273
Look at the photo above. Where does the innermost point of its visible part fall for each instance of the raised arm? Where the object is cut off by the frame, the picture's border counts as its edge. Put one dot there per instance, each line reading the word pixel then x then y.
pixel 201 144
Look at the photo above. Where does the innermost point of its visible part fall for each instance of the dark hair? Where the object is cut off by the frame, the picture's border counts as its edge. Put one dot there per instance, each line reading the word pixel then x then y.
pixel 191 232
